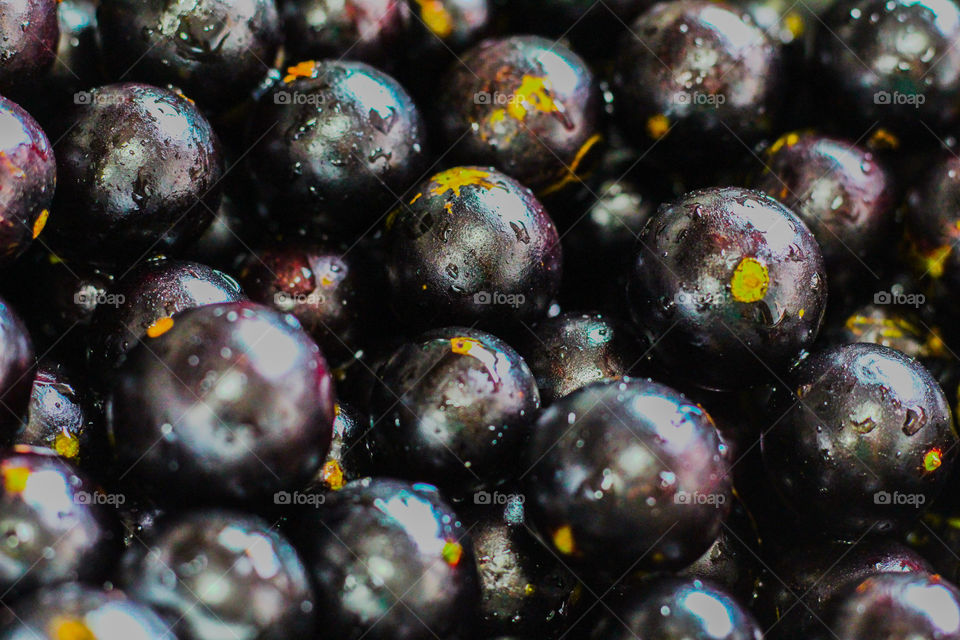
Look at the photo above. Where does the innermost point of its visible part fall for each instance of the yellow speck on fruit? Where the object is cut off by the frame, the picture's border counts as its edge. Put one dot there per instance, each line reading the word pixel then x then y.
pixel 462 346
pixel 657 126
pixel 452 552
pixel 332 474
pixel 304 69
pixel 41 222
pixel 786 140
pixel 326 280
pixel 458 177
pixel 750 281
pixel 11 168
pixel 563 540
pixel 63 628
pixel 336 409
pixel 932 460
pixel 54 259
pixel 570 173
pixel 883 139
pixel 533 94
pixel 933 260
pixel 794 24
pixel 66 444
pixel 436 17
pixel 953 523
pixel 424 287
pixel 391 218
pixel 160 327
pixel 529 589
pixel 15 479
pixel 801 313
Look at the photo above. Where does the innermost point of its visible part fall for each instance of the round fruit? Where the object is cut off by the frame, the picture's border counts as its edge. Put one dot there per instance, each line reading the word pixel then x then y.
pixel 226 403
pixel 473 246
pixel 28 33
pixel 16 364
pixel 728 283
pixel 863 442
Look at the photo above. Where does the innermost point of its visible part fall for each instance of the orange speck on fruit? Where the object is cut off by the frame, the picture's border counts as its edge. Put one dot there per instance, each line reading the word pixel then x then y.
pixel 563 540
pixel 883 139
pixel 332 475
pixel 452 552
pixel 416 197
pixel 66 444
pixel 63 628
pixel 304 69
pixel 533 94
pixel 13 169
pixel 184 96
pixel 160 327
pixel 41 222
pixel 657 126
pixel 15 479
pixel 570 173
pixel 436 17
pixel 458 177
pixel 463 346
pixel 932 460
pixel 750 281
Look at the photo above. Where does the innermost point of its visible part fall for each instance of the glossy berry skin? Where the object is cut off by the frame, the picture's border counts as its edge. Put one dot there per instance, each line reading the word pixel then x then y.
pixel 897 606
pixel 369 30
pixel 931 226
pixel 627 476
pixel 48 505
pixel 64 417
pixel 270 593
pixel 840 191
pixel 865 442
pixel 867 64
pixel 455 409
pixel 391 541
pixel 732 562
pixel 673 102
pixel 667 608
pixel 524 589
pixel 736 277
pixel 473 246
pixel 146 300
pixel 16 363
pixel 138 173
pixel 526 105
pixel 792 599
pixel 892 327
pixel 335 141
pixel 231 403
pixel 29 31
pixel 215 51
pixel 28 176
pixel 322 284
pixel 74 610
pixel 572 350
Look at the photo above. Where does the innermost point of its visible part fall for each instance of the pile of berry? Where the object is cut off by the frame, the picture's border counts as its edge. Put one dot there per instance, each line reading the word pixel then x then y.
pixel 479 319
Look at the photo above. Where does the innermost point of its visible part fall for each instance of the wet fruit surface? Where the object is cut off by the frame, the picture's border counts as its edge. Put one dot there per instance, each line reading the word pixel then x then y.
pixel 214 51
pixel 16 363
pixel 271 597
pixel 228 402
pixel 337 142
pixel 455 409
pixel 628 465
pixel 865 442
pixel 728 279
pixel 385 538
pixel 29 41
pixel 473 245
pixel 138 173
pixel 28 175
pixel 527 106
